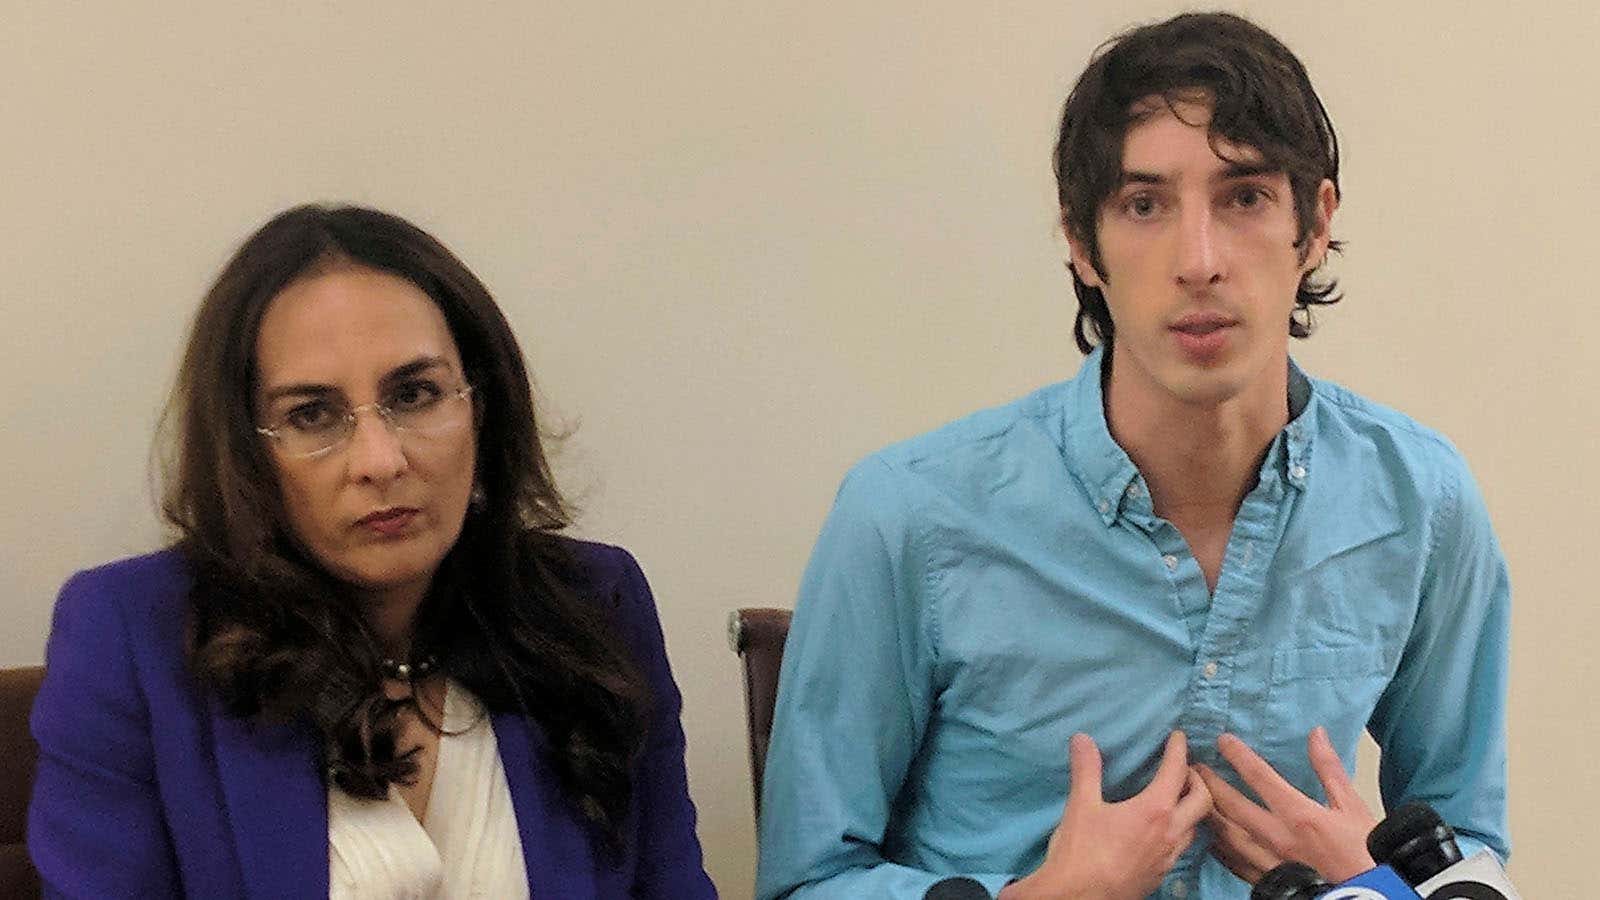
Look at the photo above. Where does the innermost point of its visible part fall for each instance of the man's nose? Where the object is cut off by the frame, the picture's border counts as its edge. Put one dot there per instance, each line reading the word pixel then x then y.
pixel 1198 263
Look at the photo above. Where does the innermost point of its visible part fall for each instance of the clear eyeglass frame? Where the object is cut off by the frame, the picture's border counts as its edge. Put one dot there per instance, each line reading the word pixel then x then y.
pixel 341 435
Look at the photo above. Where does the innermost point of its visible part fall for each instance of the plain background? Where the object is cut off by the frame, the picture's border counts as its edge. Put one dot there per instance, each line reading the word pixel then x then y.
pixel 744 244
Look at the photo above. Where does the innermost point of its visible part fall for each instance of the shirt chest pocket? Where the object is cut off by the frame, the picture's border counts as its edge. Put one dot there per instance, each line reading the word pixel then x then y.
pixel 1334 686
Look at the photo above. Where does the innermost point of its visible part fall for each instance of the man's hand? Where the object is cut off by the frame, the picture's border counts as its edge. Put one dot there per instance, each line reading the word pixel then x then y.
pixel 1111 851
pixel 1250 840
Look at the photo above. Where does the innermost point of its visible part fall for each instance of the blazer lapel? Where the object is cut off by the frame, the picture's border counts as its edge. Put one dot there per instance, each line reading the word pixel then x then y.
pixel 555 849
pixel 276 803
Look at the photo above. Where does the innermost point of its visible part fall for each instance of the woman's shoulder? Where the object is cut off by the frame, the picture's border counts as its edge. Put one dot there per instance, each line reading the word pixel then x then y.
pixel 597 566
pixel 149 584
pixel 115 626
pixel 166 567
pixel 605 572
pixel 141 599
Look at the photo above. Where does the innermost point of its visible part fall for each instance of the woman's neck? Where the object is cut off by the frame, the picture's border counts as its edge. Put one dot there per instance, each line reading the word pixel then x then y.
pixel 393 620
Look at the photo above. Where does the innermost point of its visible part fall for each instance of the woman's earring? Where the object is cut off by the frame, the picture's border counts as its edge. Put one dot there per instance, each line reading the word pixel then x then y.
pixel 477 500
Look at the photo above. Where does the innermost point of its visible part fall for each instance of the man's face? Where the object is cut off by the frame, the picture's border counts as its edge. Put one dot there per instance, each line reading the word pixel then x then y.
pixel 1200 266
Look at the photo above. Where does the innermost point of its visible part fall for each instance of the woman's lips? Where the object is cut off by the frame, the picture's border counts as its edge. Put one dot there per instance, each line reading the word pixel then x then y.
pixel 388 522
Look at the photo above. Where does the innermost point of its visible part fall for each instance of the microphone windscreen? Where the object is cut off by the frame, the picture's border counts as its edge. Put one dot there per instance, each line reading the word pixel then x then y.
pixel 957 889
pixel 1402 826
pixel 1415 842
pixel 1289 881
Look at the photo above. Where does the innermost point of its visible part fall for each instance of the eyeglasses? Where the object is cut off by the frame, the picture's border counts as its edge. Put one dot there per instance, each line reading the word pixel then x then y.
pixel 318 427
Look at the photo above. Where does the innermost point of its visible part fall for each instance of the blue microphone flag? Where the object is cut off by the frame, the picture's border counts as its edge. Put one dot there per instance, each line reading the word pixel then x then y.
pixel 1375 884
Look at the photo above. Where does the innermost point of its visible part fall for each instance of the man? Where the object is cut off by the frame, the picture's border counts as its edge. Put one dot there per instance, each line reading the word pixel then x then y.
pixel 1169 592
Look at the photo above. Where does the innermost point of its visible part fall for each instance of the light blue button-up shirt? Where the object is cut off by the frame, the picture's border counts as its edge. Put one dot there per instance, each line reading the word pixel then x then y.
pixel 980 593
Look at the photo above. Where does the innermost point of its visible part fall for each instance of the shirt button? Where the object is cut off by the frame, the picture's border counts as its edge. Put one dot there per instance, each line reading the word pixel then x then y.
pixel 1297 472
pixel 1171 561
pixel 1179 889
pixel 1211 669
pixel 1133 489
pixel 1105 506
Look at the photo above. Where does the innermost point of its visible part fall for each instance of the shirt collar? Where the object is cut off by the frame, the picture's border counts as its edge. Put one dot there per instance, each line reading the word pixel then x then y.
pixel 1097 460
pixel 1297 437
pixel 1109 475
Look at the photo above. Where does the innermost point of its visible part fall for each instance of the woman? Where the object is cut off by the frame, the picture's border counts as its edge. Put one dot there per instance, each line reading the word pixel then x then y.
pixel 369 666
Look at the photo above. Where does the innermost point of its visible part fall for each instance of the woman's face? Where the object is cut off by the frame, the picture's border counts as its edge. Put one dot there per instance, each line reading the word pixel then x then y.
pixel 380 508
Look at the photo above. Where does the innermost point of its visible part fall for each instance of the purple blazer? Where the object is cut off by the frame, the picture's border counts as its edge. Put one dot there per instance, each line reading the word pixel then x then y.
pixel 147 788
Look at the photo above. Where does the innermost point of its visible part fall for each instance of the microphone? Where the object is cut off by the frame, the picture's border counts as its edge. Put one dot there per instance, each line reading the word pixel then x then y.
pixel 1478 877
pixel 1381 883
pixel 1415 841
pixel 957 889
pixel 1290 881
pixel 1423 848
pixel 1298 881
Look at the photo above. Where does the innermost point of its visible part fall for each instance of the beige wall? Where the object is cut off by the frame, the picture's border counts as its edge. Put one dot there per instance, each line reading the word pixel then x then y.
pixel 744 244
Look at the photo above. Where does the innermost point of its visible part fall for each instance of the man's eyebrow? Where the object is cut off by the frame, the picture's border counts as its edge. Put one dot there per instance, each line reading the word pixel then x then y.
pixel 1140 177
pixel 1235 171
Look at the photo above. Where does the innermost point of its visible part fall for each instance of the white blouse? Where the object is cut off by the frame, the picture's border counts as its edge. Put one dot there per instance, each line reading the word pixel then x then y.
pixel 467 843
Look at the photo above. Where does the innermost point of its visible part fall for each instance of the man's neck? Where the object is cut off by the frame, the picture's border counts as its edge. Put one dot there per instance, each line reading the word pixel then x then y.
pixel 1198 459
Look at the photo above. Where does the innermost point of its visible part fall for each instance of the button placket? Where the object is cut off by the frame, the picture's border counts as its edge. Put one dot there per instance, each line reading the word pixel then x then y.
pixel 1238 597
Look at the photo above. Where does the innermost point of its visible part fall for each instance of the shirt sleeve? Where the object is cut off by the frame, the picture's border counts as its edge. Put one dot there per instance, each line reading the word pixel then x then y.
pixel 669 865
pixel 95 823
pixel 1441 723
pixel 855 695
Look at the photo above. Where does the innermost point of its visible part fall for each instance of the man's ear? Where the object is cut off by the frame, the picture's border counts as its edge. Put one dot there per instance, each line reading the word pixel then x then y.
pixel 1327 202
pixel 1079 256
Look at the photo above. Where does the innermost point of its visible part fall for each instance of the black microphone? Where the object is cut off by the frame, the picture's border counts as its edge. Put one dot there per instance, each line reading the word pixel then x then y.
pixel 1418 844
pixel 1290 881
pixel 957 889
pixel 1415 842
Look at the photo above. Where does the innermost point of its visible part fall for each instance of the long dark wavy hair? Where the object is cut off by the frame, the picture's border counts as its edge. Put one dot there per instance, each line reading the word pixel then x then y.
pixel 509 613
pixel 1261 97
